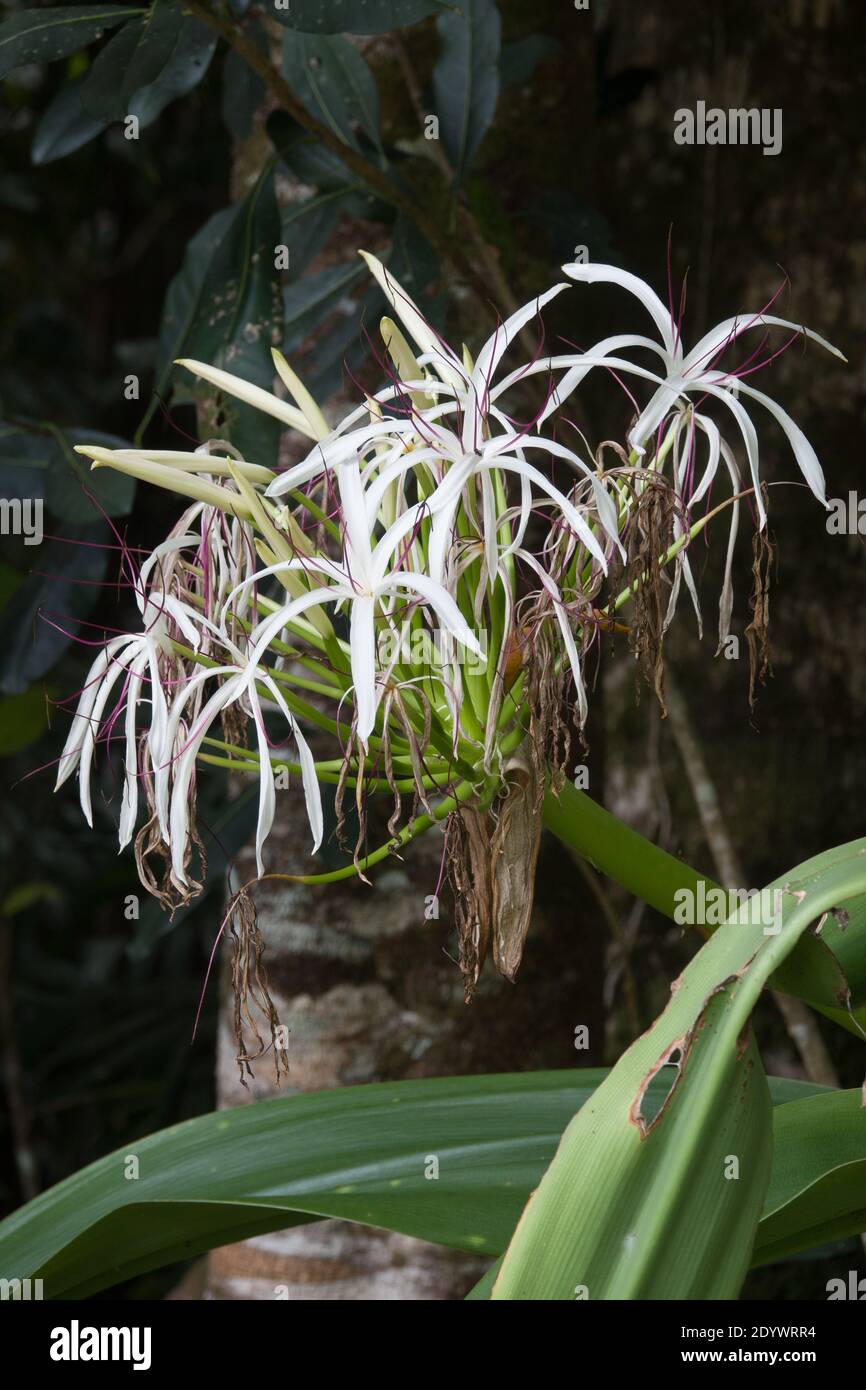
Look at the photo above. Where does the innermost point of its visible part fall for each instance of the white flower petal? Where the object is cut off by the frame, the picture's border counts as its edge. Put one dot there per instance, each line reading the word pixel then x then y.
pixel 591 274
pixel 442 358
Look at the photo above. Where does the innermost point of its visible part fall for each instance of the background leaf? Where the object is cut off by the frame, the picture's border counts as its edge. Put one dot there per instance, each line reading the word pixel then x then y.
pixel 225 307
pixel 355 16
pixel 330 77
pixel 817 1188
pixel 466 79
pixel 64 590
pixel 242 89
pixel 64 125
pixel 41 36
pixel 150 62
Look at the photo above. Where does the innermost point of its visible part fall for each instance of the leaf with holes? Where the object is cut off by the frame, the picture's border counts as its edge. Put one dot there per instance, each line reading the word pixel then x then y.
pixel 358 1153
pixel 666 1206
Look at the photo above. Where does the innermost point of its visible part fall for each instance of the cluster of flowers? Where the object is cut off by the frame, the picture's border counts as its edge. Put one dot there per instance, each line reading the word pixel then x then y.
pixel 429 508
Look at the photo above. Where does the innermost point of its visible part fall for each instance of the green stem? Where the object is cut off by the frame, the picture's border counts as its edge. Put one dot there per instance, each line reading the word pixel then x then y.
pixel 632 861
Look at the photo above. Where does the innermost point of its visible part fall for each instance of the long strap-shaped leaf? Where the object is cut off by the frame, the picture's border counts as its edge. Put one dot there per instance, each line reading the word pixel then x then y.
pixel 636 1205
pixel 361 1153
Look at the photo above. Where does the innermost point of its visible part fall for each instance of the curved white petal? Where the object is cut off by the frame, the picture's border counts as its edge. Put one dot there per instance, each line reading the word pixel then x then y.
pixel 591 274
pixel 442 358
pixel 81 720
pixel 184 767
pixel 701 356
pixel 807 459
pixel 309 780
pixel 129 800
pixel 565 629
pixel 362 647
pixel 443 605
pixel 478 395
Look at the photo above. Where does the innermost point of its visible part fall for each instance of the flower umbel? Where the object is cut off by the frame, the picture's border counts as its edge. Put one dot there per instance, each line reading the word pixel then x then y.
pixel 488 553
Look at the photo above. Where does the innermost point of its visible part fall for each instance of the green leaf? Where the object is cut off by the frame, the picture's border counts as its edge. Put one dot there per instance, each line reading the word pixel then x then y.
pixel 242 89
pixel 311 163
pixel 182 72
pixel 64 125
pixel 150 62
pixel 353 16
pixel 330 77
pixel 105 92
pixel 466 79
pixel 414 263
pixel 638 1206
pixel 817 1189
pixel 24 459
pixel 359 1153
pixel 834 965
pixel 344 348
pixel 613 848
pixel 822 970
pixel 41 36
pixel 160 30
pixel 38 624
pixel 307 226
pixel 70 480
pixel 42 463
pixel 309 300
pixel 225 307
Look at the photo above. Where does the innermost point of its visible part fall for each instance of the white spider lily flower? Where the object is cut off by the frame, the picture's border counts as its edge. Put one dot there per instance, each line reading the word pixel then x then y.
pixel 426 439
pixel 239 679
pixel 469 386
pixel 693 373
pixel 363 581
pixel 131 655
